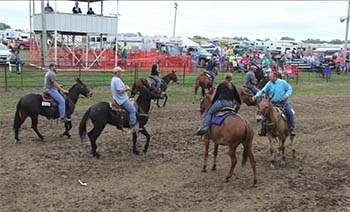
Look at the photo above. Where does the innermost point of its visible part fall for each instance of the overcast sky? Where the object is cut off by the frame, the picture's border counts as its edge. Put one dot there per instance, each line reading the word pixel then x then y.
pixel 252 19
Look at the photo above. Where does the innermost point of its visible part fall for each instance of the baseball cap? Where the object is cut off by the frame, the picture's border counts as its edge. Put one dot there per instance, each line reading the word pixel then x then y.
pixel 116 69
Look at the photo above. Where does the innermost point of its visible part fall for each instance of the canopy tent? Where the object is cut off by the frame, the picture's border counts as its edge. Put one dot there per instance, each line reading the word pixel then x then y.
pixel 189 43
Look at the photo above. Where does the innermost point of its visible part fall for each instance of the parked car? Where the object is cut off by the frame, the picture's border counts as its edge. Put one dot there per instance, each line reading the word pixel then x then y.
pixel 5 54
pixel 20 44
pixel 204 57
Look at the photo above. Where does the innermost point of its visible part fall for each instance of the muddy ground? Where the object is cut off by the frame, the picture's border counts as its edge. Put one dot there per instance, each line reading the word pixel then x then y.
pixel 43 176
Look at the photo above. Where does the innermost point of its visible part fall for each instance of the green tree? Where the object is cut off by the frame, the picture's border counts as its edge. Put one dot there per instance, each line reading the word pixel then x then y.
pixel 197 37
pixel 286 38
pixel 336 41
pixel 267 39
pixel 4 26
pixel 259 40
pixel 311 40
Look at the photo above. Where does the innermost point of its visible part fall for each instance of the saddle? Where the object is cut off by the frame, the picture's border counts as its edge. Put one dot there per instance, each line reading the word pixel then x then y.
pixel 49 101
pixel 118 108
pixel 247 91
pixel 208 75
pixel 220 116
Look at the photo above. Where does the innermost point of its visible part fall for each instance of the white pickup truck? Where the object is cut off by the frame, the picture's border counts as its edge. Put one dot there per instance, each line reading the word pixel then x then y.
pixel 5 54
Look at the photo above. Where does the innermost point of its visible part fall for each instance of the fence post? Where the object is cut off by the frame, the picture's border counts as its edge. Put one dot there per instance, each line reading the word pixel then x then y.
pixel 5 68
pixel 135 73
pixel 184 74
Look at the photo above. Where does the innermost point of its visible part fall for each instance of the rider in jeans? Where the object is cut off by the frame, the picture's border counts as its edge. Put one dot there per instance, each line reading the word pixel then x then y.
pixel 120 95
pixel 224 96
pixel 212 63
pixel 280 90
pixel 52 87
pixel 155 73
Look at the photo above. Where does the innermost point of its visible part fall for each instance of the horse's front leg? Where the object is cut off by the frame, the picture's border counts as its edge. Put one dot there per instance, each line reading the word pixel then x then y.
pixel 166 99
pixel 216 147
pixel 148 137
pixel 68 126
pixel 134 139
pixel 206 148
pixel 272 156
pixel 158 102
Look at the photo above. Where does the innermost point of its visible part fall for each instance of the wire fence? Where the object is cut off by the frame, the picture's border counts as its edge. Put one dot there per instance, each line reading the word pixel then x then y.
pixel 31 77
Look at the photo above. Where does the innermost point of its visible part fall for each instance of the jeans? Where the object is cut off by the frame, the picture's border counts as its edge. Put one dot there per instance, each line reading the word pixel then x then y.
pixel 212 75
pixel 289 111
pixel 347 67
pixel 16 61
pixel 193 66
pixel 255 90
pixel 215 108
pixel 59 98
pixel 222 66
pixel 156 78
pixel 132 111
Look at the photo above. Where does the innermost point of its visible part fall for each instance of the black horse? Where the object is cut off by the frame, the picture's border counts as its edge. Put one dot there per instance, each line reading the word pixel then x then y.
pixel 139 83
pixel 102 114
pixel 31 105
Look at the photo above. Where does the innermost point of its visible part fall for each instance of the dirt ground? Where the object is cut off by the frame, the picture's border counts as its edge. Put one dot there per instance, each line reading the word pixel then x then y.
pixel 43 176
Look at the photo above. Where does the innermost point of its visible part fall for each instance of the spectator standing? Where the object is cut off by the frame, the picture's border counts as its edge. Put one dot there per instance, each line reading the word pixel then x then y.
pixel 48 8
pixel 347 62
pixel 194 60
pixel 76 9
pixel 90 12
pixel 124 50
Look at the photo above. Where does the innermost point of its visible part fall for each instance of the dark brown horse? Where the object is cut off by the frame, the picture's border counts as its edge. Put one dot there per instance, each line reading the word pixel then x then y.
pixel 233 131
pixel 246 96
pixel 139 83
pixel 31 105
pixel 205 82
pixel 277 127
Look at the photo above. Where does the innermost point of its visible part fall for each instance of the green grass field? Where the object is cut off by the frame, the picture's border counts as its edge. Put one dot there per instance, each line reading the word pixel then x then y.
pixel 31 81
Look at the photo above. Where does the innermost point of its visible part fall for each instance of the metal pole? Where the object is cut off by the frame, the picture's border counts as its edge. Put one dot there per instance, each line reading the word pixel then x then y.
pixel 102 7
pixel 43 37
pixel 176 4
pixel 5 67
pixel 116 38
pixel 346 31
pixel 55 38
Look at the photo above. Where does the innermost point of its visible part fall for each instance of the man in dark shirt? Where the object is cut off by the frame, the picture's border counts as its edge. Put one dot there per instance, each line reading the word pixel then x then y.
pixel 48 8
pixel 76 9
pixel 155 73
pixel 90 12
pixel 224 96
pixel 212 63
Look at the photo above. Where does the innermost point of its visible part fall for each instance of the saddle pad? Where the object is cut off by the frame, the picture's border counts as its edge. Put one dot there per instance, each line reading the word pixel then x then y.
pixel 217 120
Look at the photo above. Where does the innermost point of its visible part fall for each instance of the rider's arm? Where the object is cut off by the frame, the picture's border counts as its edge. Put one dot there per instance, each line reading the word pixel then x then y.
pixel 127 88
pixel 289 90
pixel 236 95
pixel 59 87
pixel 264 90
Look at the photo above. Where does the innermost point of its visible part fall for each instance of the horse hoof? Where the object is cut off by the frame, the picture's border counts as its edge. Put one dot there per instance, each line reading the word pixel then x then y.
pixel 61 135
pixel 136 152
pixel 283 163
pixel 145 151
pixel 18 141
pixel 96 155
pixel 68 136
pixel 272 166
pixel 204 170
pixel 213 169
pixel 225 179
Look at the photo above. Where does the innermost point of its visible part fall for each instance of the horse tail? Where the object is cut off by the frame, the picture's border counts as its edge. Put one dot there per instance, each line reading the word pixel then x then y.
pixel 196 87
pixel 82 125
pixel 133 90
pixel 246 143
pixel 17 120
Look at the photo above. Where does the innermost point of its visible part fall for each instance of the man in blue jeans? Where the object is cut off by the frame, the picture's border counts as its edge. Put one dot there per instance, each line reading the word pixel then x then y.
pixel 120 95
pixel 15 59
pixel 52 87
pixel 155 73
pixel 212 63
pixel 280 90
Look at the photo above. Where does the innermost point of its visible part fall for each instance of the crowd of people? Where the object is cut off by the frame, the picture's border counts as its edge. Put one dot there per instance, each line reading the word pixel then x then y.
pixel 231 59
pixel 76 9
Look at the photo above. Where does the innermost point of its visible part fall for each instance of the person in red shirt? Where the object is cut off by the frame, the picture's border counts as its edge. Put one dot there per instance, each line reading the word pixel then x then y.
pixel 245 62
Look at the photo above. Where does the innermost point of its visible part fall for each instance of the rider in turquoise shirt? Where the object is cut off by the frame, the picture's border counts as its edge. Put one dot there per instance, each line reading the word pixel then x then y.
pixel 280 90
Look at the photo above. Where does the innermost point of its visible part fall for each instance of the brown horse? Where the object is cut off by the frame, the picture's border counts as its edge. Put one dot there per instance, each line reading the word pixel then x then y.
pixel 246 96
pixel 205 82
pixel 234 130
pixel 277 127
pixel 140 83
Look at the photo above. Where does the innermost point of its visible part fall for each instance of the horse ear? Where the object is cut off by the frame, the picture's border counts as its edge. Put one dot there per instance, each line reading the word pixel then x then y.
pixel 78 80
pixel 173 71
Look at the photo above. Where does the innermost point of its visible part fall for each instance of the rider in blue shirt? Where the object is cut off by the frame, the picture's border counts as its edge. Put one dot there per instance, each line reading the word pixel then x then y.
pixel 280 90
pixel 211 64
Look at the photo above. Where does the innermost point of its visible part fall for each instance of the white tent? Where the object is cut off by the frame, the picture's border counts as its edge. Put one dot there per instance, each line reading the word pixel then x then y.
pixel 189 43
